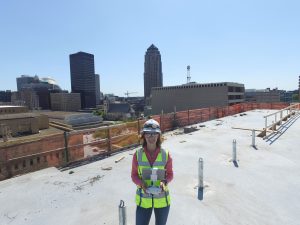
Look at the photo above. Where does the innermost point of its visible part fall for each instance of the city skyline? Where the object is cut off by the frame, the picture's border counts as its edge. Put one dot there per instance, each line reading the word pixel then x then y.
pixel 254 43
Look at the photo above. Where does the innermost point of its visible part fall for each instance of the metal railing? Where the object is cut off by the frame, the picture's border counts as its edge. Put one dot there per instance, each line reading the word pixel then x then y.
pixel 279 117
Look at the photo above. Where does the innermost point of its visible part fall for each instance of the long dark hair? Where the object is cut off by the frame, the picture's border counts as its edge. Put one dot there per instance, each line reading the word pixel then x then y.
pixel 144 142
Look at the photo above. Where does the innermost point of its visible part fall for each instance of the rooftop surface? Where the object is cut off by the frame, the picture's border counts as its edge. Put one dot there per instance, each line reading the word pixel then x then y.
pixel 58 114
pixel 10 106
pixel 263 189
pixel 18 116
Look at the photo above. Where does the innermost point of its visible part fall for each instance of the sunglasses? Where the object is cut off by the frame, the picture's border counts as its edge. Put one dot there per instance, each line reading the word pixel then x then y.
pixel 150 134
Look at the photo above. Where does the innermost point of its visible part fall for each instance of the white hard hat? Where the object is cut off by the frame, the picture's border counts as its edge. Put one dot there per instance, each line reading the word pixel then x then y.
pixel 151 126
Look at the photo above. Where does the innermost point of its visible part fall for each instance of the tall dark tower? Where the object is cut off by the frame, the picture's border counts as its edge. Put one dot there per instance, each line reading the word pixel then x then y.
pixel 97 78
pixel 83 79
pixel 153 70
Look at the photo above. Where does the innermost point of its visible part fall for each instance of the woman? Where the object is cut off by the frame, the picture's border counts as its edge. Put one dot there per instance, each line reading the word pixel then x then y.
pixel 151 172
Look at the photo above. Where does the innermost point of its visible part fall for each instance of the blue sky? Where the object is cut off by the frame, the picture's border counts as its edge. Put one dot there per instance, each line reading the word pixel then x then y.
pixel 252 42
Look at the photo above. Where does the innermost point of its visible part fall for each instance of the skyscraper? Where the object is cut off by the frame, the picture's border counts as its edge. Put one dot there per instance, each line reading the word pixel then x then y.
pixel 83 78
pixel 97 80
pixel 152 70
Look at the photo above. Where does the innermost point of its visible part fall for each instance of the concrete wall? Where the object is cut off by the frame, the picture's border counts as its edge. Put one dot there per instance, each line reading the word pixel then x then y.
pixel 24 123
pixel 21 125
pixel 13 109
pixel 43 121
pixel 194 96
pixel 3 171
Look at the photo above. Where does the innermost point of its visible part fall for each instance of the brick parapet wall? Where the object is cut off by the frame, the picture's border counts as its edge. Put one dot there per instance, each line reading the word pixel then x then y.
pixel 56 151
pixel 33 155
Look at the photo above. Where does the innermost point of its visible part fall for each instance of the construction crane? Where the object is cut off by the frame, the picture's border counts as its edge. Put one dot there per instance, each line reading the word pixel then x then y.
pixel 128 93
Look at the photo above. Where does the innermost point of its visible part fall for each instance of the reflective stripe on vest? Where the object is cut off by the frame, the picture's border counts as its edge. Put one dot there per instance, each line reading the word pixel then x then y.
pixel 147 200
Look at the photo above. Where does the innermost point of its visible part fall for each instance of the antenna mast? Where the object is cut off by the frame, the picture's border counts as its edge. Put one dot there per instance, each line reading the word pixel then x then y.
pixel 188 76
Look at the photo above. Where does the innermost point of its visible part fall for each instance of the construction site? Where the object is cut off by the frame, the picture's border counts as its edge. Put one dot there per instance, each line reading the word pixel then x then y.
pixel 241 168
pixel 62 146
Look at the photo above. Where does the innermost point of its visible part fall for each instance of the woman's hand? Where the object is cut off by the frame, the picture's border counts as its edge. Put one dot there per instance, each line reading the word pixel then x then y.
pixel 163 185
pixel 144 187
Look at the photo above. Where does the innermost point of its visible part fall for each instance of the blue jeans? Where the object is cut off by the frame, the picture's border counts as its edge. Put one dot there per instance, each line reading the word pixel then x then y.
pixel 143 215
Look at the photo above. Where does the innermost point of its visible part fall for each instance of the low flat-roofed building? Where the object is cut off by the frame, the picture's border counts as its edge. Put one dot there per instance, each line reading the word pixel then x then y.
pixel 195 96
pixel 262 96
pixel 10 109
pixel 19 123
pixel 288 96
pixel 65 101
pixel 75 120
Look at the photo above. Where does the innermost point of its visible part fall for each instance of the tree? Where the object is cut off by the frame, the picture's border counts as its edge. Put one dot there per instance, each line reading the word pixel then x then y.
pixel 295 97
pixel 99 113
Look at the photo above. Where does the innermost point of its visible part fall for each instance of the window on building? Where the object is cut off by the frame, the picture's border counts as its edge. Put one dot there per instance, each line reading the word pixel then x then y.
pixel 57 155
pixel 38 159
pixel 24 163
pixel 31 162
pixel 16 166
pixel 45 158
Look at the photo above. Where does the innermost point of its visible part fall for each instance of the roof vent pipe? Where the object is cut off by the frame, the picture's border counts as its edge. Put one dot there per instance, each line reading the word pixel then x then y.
pixel 200 179
pixel 122 213
pixel 234 150
pixel 253 138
